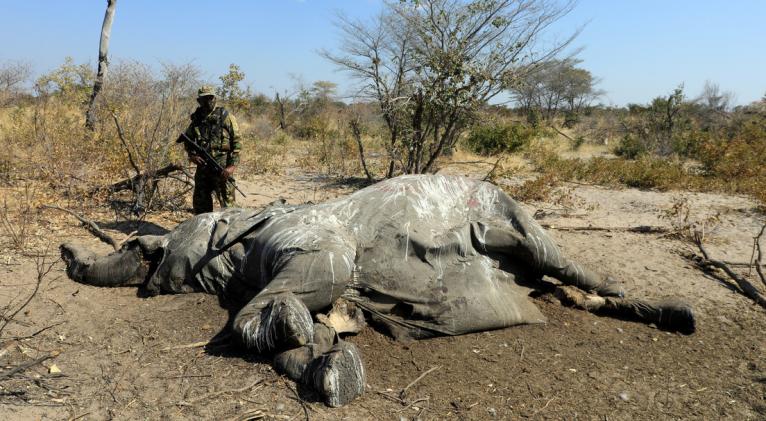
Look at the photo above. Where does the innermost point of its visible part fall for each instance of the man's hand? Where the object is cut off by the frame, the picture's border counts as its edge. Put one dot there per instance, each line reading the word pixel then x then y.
pixel 196 159
pixel 228 171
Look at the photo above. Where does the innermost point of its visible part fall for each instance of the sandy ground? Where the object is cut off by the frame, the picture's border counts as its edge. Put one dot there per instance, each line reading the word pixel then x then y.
pixel 125 357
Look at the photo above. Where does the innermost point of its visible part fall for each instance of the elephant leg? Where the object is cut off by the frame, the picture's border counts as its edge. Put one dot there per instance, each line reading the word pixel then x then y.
pixel 329 365
pixel 274 322
pixel 537 250
pixel 279 318
pixel 669 314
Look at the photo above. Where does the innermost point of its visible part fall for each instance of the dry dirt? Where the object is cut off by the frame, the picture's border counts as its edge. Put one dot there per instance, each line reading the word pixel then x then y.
pixel 121 355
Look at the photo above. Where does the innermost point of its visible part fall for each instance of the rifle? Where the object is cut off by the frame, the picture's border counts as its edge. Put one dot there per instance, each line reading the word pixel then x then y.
pixel 209 160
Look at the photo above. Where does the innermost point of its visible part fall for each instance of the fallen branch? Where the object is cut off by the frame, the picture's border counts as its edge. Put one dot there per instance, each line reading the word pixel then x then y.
pixel 191 345
pixel 420 377
pixel 745 287
pixel 90 226
pixel 19 338
pixel 758 262
pixel 491 174
pixel 300 401
pixel 132 182
pixel 218 393
pixel 253 414
pixel 561 133
pixel 43 269
pixel 19 368
pixel 200 344
pixel 640 229
pixel 413 403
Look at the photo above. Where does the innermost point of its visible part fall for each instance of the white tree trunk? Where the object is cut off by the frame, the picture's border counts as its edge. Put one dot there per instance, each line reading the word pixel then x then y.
pixel 103 63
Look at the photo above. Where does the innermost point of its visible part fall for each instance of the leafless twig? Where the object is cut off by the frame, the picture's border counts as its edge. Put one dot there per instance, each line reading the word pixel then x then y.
pixel 420 377
pixel 200 398
pixel 640 229
pixel 43 269
pixel 19 368
pixel 90 226
pixel 491 174
pixel 758 261
pixel 745 287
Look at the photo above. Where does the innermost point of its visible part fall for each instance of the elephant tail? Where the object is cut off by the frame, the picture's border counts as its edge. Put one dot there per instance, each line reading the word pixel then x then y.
pixel 120 268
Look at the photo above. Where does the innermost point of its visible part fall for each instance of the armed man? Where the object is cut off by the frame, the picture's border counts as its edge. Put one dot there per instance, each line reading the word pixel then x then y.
pixel 212 143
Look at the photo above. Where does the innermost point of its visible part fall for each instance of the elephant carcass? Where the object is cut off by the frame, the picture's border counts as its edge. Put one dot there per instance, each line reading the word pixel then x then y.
pixel 421 255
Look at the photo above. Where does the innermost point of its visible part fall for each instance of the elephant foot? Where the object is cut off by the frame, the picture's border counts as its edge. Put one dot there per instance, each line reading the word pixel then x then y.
pixel 337 376
pixel 670 314
pixel 293 362
pixel 329 366
pixel 284 323
pixel 610 288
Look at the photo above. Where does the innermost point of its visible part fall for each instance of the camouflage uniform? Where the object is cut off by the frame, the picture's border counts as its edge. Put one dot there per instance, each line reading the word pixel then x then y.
pixel 217 133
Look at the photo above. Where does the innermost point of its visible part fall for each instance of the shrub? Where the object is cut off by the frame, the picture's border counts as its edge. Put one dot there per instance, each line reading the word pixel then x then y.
pixel 631 147
pixel 499 137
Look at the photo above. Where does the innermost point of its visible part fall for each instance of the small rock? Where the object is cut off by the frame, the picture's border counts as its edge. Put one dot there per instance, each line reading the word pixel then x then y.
pixel 280 407
pixel 619 329
pixel 54 369
pixel 492 412
pixel 624 396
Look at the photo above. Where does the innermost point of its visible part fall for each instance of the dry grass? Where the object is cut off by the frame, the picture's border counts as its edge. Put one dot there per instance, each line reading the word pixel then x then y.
pixel 646 172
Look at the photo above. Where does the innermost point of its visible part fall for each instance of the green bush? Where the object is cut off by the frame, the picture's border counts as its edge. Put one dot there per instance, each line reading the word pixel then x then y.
pixel 499 137
pixel 631 147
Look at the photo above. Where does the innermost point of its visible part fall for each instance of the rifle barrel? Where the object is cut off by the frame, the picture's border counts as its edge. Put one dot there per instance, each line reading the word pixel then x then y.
pixel 209 160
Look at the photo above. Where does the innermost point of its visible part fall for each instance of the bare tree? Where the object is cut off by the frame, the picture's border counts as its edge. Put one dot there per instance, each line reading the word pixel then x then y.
pixel 148 112
pixel 714 99
pixel 103 63
pixel 555 86
pixel 12 75
pixel 431 64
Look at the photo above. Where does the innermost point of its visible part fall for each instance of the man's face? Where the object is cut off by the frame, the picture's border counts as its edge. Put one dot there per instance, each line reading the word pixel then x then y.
pixel 207 102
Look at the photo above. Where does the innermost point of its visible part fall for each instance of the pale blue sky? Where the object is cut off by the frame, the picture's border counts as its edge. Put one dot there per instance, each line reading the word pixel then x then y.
pixel 639 49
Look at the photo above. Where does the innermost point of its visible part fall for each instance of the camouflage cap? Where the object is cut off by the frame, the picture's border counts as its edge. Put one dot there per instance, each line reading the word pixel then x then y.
pixel 205 90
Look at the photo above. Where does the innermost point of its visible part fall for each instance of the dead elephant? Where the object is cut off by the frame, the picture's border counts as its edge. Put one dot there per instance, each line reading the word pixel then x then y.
pixel 419 255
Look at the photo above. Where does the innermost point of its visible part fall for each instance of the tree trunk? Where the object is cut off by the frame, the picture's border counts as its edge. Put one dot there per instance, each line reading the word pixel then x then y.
pixel 103 63
pixel 281 110
pixel 357 133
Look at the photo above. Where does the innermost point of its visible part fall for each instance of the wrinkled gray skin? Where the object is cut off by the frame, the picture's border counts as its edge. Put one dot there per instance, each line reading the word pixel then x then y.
pixel 422 255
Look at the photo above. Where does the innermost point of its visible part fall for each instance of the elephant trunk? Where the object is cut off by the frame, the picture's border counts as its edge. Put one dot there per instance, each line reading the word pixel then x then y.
pixel 122 267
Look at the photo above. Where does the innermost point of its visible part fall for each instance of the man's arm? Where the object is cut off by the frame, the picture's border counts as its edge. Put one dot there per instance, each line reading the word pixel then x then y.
pixel 232 160
pixel 191 134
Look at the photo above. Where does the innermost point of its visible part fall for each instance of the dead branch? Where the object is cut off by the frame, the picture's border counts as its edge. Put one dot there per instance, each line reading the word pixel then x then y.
pixel 200 344
pixel 187 346
pixel 253 414
pixel 200 398
pixel 420 377
pixel 561 133
pixel 90 226
pixel 426 399
pixel 19 338
pixel 640 229
pixel 121 136
pixel 357 133
pixel 300 401
pixel 43 269
pixel 745 287
pixel 132 182
pixel 758 262
pixel 19 368
pixel 491 174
